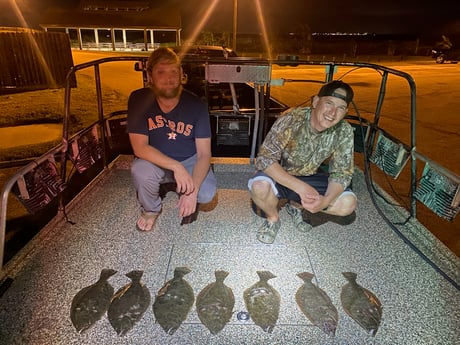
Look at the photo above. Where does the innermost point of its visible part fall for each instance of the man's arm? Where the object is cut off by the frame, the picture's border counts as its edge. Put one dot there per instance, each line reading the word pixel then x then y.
pixel 187 203
pixel 203 153
pixel 341 167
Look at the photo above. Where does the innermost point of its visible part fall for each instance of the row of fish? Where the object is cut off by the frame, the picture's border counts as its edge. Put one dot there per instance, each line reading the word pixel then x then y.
pixel 214 304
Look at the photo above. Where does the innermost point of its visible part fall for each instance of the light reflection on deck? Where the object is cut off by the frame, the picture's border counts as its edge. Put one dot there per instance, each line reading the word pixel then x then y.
pixel 419 306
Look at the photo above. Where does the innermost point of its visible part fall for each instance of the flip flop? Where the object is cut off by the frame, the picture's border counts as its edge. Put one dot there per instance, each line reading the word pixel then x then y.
pixel 149 218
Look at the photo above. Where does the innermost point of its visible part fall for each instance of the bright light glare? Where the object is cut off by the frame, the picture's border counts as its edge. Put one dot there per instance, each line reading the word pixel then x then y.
pixel 19 15
pixel 260 17
pixel 200 25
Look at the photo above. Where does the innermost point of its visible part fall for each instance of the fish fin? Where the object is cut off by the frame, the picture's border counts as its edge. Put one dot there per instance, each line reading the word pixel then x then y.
pixel 106 273
pixel 350 276
pixel 221 275
pixel 135 275
pixel 265 275
pixel 179 272
pixel 305 276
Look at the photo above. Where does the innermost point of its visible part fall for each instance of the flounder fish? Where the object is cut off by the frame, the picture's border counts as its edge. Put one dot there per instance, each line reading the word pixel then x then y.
pixel 316 305
pixel 361 304
pixel 129 304
pixel 263 302
pixel 92 302
pixel 174 301
pixel 215 303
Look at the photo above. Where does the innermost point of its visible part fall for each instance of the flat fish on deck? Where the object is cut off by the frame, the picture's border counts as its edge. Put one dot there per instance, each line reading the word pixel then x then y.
pixel 174 301
pixel 361 304
pixel 316 305
pixel 129 304
pixel 263 302
pixel 214 304
pixel 92 302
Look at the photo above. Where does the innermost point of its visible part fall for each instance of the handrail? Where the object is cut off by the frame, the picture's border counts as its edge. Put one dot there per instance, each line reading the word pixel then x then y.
pixel 62 148
pixel 10 183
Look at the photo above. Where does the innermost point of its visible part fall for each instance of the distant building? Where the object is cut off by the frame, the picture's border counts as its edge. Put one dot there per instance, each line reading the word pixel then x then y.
pixel 116 25
pixel 114 5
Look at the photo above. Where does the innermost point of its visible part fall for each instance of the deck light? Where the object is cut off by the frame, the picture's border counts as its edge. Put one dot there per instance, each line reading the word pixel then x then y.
pixel 389 156
pixel 38 187
pixel 85 149
pixel 439 192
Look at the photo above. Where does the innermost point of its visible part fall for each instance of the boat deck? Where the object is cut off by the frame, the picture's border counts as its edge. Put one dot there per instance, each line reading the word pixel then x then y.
pixel 420 306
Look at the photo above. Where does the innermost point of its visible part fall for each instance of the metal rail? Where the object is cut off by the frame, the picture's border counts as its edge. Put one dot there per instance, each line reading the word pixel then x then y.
pixel 60 151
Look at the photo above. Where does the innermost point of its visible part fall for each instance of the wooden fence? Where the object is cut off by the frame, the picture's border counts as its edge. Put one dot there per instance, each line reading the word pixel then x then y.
pixel 33 60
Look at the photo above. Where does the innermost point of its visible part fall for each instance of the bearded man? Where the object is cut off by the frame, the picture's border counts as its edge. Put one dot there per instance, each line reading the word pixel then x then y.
pixel 170 133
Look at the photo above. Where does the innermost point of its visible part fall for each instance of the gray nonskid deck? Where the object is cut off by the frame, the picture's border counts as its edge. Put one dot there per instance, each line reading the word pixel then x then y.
pixel 419 306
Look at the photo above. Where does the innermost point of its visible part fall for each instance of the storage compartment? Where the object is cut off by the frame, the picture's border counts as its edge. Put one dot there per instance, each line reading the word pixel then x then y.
pixel 233 130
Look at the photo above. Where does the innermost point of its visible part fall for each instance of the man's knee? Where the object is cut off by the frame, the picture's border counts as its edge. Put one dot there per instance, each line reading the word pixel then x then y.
pixel 346 204
pixel 208 189
pixel 260 189
pixel 143 171
pixel 207 195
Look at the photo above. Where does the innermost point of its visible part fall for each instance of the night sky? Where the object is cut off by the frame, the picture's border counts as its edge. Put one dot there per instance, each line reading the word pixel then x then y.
pixel 382 17
pixel 421 17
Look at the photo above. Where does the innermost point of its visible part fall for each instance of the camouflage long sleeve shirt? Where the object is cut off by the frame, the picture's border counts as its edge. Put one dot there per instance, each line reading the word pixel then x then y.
pixel 300 150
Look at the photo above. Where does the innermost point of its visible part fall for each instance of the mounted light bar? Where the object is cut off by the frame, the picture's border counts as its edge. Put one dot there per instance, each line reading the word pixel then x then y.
pixel 439 192
pixel 85 149
pixel 40 186
pixel 389 156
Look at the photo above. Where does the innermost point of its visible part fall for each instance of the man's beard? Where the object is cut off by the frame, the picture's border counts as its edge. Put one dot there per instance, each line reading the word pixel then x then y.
pixel 169 93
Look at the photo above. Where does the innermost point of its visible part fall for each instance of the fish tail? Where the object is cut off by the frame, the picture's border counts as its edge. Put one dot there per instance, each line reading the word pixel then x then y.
pixel 221 275
pixel 305 276
pixel 106 273
pixel 350 276
pixel 265 275
pixel 179 272
pixel 135 275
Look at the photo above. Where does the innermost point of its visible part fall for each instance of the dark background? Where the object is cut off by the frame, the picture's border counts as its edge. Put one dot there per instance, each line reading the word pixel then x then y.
pixel 424 18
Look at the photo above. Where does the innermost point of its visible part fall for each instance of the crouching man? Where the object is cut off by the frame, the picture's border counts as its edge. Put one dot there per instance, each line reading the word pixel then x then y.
pixel 288 162
pixel 170 133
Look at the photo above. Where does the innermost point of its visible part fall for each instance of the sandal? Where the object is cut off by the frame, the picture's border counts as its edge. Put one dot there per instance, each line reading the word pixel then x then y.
pixel 268 231
pixel 148 218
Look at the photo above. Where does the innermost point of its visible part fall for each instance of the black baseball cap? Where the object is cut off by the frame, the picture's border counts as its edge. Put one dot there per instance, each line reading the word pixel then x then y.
pixel 330 89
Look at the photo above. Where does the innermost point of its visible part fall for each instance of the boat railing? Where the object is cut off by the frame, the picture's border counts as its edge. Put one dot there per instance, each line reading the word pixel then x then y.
pixel 43 185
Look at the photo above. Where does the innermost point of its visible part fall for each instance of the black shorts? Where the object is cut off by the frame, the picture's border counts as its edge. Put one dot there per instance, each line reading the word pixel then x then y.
pixel 318 181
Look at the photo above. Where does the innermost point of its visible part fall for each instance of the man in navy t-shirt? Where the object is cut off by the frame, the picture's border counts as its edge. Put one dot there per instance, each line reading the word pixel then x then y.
pixel 170 133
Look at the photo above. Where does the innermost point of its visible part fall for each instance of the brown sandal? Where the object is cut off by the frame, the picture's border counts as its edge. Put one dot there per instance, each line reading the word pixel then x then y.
pixel 149 219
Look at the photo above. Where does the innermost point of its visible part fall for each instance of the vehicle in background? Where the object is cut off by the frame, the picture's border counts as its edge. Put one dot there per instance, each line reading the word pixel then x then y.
pixel 445 55
pixel 443 51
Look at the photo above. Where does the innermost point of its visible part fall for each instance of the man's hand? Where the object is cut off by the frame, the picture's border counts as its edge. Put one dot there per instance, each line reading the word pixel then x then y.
pixel 310 199
pixel 322 202
pixel 315 205
pixel 184 180
pixel 306 192
pixel 187 204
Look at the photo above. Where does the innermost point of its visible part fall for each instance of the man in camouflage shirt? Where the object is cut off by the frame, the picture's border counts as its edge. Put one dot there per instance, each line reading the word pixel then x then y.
pixel 298 143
